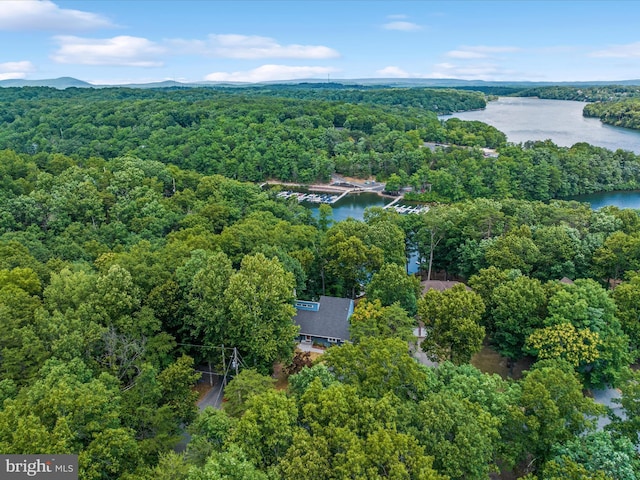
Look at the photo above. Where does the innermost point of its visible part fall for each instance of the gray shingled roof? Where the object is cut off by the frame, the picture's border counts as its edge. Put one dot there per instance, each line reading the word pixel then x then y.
pixel 330 321
pixel 439 285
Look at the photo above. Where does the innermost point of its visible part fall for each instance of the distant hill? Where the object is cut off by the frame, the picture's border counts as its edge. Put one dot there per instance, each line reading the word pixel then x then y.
pixel 455 82
pixel 67 82
pixel 61 83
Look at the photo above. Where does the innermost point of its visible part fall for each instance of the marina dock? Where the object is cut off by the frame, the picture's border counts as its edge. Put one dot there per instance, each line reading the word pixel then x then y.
pixel 406 209
pixel 313 197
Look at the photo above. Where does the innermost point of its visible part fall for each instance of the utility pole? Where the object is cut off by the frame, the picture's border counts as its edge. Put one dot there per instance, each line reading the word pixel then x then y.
pixel 234 361
pixel 224 369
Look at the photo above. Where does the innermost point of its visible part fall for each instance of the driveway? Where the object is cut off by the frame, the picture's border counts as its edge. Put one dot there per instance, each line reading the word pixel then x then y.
pixel 213 398
pixel 606 397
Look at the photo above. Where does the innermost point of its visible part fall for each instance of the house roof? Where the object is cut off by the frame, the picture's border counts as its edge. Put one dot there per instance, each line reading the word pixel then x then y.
pixel 439 285
pixel 329 320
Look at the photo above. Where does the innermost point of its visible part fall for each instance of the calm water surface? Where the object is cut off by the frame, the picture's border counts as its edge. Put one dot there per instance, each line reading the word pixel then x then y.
pixel 561 121
pixel 629 199
pixel 353 206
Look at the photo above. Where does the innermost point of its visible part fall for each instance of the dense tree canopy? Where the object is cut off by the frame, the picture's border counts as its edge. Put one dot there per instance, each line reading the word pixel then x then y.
pixel 132 253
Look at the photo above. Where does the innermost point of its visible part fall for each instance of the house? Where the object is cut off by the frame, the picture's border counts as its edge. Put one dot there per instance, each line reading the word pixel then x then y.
pixel 439 285
pixel 325 322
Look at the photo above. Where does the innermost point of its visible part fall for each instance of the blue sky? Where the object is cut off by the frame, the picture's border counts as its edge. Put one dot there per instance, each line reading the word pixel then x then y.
pixel 122 41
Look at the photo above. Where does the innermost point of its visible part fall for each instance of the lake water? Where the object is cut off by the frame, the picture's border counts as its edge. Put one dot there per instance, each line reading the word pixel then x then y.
pixel 629 199
pixel 353 206
pixel 561 121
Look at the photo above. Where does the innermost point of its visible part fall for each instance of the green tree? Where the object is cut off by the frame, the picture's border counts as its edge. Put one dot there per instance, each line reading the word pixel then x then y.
pixel 344 435
pixel 210 432
pixel 462 437
pixel 494 395
pixel 627 300
pixel 325 216
pixel 554 407
pixel 563 341
pixel 265 431
pixel 519 307
pixel 299 382
pixel 514 250
pixel 392 285
pixel 232 463
pixel 389 237
pixel 560 252
pixel 170 466
pixel 376 366
pixel 452 326
pixel 600 453
pixel 176 384
pixel 111 453
pixel 588 306
pixel 206 297
pixel 244 385
pixel 620 252
pixel 351 259
pixel 260 302
pixel 371 319
pixel 21 330
pixel 393 184
pixel 437 223
pixel 628 425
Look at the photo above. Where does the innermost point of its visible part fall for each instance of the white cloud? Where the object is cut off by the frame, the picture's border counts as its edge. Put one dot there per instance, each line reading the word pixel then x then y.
pixel 266 73
pixel 10 70
pixel 402 26
pixel 480 71
pixel 393 72
pixel 250 47
pixel 479 51
pixel 630 50
pixel 465 54
pixel 46 15
pixel 118 51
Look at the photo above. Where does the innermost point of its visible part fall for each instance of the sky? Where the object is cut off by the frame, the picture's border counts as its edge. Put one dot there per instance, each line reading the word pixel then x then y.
pixel 140 41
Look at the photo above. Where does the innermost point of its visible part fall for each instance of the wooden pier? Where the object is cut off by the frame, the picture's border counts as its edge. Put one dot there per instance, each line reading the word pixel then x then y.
pixel 404 209
pixel 327 198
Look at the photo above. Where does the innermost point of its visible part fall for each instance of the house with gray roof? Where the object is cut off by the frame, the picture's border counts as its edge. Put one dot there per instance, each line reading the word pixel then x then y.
pixel 325 322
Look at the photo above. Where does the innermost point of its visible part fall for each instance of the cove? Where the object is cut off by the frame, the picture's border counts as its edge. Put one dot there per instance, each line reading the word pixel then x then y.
pixel 620 199
pixel 353 205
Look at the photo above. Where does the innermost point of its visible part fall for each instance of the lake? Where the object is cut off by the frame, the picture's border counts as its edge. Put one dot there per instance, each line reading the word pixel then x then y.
pixel 561 121
pixel 353 206
pixel 621 199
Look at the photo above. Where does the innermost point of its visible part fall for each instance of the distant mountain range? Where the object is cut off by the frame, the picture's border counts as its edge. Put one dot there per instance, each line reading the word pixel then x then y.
pixel 68 82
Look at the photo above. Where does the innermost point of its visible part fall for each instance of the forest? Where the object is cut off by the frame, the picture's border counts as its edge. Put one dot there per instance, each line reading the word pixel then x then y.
pixel 123 269
pixel 624 113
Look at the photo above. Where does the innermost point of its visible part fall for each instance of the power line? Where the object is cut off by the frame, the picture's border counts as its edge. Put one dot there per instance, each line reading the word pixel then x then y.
pixel 204 346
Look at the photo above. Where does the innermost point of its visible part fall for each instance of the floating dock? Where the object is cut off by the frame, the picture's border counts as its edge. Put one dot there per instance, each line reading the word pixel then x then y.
pixel 406 209
pixel 312 197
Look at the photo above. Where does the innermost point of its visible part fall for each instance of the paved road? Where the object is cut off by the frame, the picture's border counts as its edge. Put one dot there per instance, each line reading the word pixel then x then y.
pixel 606 397
pixel 213 398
